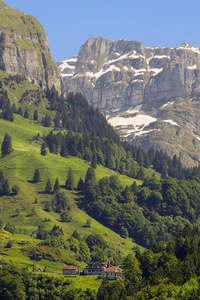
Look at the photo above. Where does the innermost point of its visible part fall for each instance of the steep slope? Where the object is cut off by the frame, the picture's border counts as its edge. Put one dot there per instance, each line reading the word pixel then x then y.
pixel 24 49
pixel 145 92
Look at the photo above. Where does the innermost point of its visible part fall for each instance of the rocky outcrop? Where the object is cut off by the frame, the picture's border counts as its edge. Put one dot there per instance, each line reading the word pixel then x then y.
pixel 150 95
pixel 120 74
pixel 24 49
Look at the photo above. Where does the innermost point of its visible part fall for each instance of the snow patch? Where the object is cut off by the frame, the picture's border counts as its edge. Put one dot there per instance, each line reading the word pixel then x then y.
pixel 168 103
pixel 192 67
pixel 134 109
pixel 102 72
pixel 65 75
pixel 171 122
pixel 115 110
pixel 139 120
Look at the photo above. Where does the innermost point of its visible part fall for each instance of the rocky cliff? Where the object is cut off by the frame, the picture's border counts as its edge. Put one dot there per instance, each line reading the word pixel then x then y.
pixel 149 94
pixel 24 49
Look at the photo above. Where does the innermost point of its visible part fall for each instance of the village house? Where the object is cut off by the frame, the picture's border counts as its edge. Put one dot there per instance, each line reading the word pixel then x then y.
pixel 111 273
pixel 95 268
pixel 70 270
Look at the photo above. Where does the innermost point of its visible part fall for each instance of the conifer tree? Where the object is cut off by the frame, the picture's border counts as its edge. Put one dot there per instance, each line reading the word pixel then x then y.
pixel 43 149
pixel 35 115
pixel 64 151
pixel 90 177
pixel 14 109
pixel 26 113
pixel 36 176
pixel 80 185
pixel 19 111
pixel 56 186
pixel 7 112
pixel 94 160
pixel 6 146
pixel 69 184
pixel 48 187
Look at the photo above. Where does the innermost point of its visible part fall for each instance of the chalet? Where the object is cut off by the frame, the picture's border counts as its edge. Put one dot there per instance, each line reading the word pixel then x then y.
pixel 95 268
pixel 70 270
pixel 111 273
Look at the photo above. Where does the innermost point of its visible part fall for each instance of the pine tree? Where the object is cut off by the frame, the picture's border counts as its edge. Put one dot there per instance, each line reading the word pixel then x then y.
pixel 48 187
pixel 6 146
pixel 69 184
pixel 36 176
pixel 56 186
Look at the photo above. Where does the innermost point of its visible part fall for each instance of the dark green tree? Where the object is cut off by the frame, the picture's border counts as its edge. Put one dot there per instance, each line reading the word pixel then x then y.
pixel 26 113
pixel 15 189
pixel 6 146
pixel 43 149
pixel 69 184
pixel 36 176
pixel 19 111
pixel 94 160
pixel 56 186
pixel 48 187
pixel 35 115
pixel 90 176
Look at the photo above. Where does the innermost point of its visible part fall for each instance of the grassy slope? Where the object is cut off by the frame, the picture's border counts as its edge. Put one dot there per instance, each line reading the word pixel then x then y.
pixel 19 167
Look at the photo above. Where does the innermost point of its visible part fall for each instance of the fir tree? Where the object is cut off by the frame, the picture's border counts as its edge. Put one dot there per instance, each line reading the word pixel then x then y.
pixel 48 187
pixel 80 185
pixel 35 115
pixel 26 113
pixel 6 146
pixel 36 176
pixel 43 149
pixel 56 186
pixel 14 109
pixel 69 184
pixel 19 111
pixel 94 160
pixel 7 112
pixel 90 177
pixel 64 151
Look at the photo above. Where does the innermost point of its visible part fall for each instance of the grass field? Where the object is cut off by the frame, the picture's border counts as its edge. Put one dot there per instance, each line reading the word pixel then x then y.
pixel 18 168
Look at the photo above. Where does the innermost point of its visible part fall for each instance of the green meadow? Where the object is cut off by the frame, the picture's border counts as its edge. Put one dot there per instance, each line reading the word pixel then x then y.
pixel 18 167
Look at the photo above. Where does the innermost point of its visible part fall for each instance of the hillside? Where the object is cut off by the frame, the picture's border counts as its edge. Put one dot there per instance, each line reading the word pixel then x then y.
pixel 149 94
pixel 18 168
pixel 24 49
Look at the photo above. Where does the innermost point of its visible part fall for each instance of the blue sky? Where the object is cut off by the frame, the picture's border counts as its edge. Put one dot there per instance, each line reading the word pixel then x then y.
pixel 69 24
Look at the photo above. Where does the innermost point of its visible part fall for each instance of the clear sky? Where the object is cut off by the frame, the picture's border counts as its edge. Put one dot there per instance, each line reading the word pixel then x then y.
pixel 69 24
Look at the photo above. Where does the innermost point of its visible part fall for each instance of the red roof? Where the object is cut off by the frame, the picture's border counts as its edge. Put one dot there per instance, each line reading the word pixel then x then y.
pixel 113 269
pixel 70 268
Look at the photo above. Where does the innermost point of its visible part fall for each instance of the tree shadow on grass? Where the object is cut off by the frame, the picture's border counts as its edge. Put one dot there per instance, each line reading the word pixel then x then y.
pixel 13 216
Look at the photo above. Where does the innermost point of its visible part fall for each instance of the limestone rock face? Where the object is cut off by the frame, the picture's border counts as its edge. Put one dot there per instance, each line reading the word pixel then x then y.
pixel 151 96
pixel 24 49
pixel 120 74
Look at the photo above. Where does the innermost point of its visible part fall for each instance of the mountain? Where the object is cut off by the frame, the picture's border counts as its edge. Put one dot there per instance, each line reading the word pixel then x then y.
pixel 150 95
pixel 24 49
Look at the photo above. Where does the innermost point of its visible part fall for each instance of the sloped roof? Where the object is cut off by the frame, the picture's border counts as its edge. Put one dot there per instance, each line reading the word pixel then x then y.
pixel 70 268
pixel 113 269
